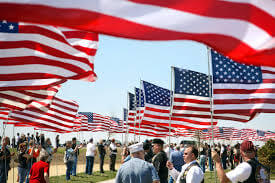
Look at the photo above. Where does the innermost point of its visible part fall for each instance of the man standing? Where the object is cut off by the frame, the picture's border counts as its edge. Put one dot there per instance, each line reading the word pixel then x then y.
pixel 191 171
pixel 159 160
pixel 113 153
pixel 177 161
pixel 5 158
pixel 136 170
pixel 90 157
pixel 102 153
pixel 76 149
pixel 245 172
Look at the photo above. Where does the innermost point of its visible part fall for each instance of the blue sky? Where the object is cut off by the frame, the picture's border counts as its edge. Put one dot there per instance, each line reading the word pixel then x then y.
pixel 121 63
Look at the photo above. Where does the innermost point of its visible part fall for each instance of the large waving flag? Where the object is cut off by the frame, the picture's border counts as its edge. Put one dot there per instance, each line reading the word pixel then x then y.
pixel 60 116
pixel 191 96
pixel 22 99
pixel 38 56
pixel 245 34
pixel 242 90
pixel 158 106
pixel 131 108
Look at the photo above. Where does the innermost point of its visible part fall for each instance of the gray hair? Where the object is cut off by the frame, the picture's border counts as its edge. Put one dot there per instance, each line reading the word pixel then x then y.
pixel 43 156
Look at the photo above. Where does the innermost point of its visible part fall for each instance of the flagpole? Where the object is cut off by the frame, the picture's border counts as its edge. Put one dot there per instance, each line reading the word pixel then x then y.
pixel 127 130
pixel 210 80
pixel 135 117
pixel 171 108
pixel 139 101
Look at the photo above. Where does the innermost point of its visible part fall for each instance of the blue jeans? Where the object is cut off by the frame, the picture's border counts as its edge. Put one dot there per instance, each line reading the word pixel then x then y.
pixel 3 174
pixel 89 164
pixel 202 162
pixel 69 166
pixel 22 173
pixel 210 163
pixel 73 172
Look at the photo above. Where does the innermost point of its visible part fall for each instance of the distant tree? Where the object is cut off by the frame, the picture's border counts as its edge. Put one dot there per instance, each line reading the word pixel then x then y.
pixel 266 154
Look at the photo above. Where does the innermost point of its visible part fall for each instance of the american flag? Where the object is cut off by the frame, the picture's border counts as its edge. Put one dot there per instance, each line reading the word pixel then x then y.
pixel 132 108
pixel 149 130
pixel 157 108
pixel 210 22
pixel 191 97
pixel 116 125
pixel 22 99
pixel 37 56
pixel 125 114
pixel 139 105
pixel 241 91
pixel 97 122
pixel 60 116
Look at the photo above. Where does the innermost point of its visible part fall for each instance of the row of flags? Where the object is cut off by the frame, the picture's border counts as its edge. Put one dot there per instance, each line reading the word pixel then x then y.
pixel 245 34
pixel 238 92
pixel 230 133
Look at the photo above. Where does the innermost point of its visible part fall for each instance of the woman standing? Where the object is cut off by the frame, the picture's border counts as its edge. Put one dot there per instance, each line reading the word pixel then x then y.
pixel 34 152
pixel 69 158
pixel 23 159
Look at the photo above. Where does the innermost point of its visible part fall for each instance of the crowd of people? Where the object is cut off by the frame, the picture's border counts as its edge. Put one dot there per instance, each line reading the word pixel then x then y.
pixel 152 161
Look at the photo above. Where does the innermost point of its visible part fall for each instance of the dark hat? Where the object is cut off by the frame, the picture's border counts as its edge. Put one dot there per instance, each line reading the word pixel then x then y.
pixel 247 146
pixel 158 141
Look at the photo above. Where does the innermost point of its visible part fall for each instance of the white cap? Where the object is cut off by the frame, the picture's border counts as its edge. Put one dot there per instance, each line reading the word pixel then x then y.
pixel 136 147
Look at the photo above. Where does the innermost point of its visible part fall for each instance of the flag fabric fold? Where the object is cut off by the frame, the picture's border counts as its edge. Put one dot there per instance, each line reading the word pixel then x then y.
pixel 36 56
pixel 246 34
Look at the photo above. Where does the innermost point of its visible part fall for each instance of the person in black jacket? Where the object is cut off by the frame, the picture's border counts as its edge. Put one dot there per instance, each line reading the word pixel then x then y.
pixel 159 160
pixel 102 153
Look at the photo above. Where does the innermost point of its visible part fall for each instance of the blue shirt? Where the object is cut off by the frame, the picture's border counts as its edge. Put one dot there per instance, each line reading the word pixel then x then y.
pixel 176 158
pixel 136 171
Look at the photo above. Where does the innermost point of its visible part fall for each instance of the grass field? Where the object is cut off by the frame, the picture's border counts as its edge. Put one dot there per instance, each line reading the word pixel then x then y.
pixel 96 177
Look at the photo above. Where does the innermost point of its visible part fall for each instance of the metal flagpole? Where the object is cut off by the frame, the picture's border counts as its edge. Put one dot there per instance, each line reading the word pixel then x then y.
pixel 13 158
pixel 135 117
pixel 171 108
pixel 210 80
pixel 139 102
pixel 127 130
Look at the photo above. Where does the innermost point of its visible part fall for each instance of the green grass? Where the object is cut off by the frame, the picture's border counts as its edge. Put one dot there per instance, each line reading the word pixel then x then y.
pixel 96 177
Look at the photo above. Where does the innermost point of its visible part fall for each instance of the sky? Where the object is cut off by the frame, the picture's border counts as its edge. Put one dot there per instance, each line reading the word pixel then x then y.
pixel 120 64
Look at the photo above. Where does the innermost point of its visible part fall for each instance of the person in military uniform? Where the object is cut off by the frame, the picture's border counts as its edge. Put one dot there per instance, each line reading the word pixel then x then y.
pixel 159 160
pixel 136 170
pixel 191 171
pixel 249 171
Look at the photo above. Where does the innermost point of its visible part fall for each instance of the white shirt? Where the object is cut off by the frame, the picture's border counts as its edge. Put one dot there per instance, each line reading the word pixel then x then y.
pixel 194 175
pixel 113 147
pixel 240 173
pixel 91 148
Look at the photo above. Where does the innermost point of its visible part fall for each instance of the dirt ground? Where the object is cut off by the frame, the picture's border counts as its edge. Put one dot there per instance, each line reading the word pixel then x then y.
pixel 57 166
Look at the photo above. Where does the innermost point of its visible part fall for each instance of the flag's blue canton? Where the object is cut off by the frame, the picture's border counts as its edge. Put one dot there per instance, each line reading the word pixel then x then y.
pixel 8 27
pixel 139 97
pixel 125 114
pixel 221 129
pixel 89 115
pixel 132 101
pixel 117 120
pixel 226 70
pixel 205 130
pixel 260 133
pixel 191 83
pixel 156 95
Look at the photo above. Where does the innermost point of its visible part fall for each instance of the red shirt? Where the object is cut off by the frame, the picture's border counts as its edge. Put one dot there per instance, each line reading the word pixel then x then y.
pixel 37 172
